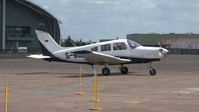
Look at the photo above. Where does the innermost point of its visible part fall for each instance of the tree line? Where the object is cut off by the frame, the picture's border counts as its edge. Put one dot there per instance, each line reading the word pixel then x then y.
pixel 68 42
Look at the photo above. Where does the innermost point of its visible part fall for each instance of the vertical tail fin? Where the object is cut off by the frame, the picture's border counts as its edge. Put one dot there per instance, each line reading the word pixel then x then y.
pixel 48 44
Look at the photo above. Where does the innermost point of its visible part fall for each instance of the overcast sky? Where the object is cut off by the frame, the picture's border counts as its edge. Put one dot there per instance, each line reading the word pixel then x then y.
pixel 105 19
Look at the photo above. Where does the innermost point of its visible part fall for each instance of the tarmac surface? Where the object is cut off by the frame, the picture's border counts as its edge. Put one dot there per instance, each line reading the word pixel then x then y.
pixel 175 88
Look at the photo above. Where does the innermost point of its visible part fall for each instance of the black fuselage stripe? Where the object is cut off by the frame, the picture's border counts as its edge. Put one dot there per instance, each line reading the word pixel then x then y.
pixel 133 59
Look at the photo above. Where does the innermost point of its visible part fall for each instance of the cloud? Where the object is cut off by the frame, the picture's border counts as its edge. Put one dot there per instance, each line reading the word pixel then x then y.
pixel 95 19
pixel 101 2
pixel 45 7
pixel 149 4
pixel 63 2
pixel 189 17
pixel 134 5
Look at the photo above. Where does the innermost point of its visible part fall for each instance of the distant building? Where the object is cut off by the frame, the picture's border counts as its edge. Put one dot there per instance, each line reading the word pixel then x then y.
pixel 187 43
pixel 18 21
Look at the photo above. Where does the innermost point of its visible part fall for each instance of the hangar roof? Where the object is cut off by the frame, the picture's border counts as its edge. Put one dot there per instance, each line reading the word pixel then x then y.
pixel 37 8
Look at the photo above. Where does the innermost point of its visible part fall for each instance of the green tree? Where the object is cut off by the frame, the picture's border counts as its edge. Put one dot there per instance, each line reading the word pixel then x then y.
pixel 68 42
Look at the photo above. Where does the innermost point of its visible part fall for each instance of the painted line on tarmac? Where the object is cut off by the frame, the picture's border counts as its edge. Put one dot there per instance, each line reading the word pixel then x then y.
pixel 184 91
pixel 57 91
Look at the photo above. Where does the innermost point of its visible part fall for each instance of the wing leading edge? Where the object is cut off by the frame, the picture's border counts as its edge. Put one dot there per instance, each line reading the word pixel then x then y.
pixel 100 58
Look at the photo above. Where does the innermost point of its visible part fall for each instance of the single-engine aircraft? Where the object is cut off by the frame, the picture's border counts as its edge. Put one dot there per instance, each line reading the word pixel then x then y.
pixel 115 52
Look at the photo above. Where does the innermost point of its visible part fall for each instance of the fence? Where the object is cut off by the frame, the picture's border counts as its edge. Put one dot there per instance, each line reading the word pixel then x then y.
pixel 6 86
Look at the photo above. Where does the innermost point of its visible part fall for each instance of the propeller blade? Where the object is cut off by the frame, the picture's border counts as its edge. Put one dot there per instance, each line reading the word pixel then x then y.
pixel 162 52
pixel 166 57
pixel 159 44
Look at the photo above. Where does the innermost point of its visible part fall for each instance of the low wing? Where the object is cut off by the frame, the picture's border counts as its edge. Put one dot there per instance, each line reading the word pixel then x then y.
pixel 100 58
pixel 38 56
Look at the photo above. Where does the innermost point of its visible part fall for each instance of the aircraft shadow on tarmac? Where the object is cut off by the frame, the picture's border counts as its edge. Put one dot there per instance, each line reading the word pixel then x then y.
pixel 35 73
pixel 73 75
pixel 100 75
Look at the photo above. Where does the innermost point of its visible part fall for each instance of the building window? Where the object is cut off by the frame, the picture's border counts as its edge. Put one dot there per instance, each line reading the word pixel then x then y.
pixel 106 47
pixel 18 31
pixel 119 46
pixel 94 48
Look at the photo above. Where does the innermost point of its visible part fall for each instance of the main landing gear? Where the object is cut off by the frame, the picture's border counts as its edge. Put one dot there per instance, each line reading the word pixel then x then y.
pixel 152 71
pixel 106 70
pixel 124 69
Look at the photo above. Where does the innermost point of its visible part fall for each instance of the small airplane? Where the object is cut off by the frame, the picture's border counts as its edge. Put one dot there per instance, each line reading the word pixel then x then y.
pixel 115 52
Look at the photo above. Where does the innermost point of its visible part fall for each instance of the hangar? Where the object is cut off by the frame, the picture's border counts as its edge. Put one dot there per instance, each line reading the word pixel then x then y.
pixel 18 21
pixel 177 43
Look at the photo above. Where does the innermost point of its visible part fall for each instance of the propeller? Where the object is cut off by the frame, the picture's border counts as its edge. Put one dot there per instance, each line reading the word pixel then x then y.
pixel 161 51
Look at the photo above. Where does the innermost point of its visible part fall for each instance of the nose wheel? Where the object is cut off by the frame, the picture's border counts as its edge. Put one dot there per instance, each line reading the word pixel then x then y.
pixel 106 71
pixel 124 70
pixel 152 71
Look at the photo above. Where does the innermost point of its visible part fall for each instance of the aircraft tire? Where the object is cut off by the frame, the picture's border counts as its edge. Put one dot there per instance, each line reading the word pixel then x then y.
pixel 106 71
pixel 152 72
pixel 124 70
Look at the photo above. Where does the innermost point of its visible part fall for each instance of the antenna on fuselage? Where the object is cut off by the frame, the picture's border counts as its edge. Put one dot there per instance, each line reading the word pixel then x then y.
pixel 73 44
pixel 91 42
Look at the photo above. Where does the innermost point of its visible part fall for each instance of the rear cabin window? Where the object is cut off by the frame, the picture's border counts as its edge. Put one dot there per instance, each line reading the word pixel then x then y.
pixel 94 48
pixel 119 46
pixel 106 47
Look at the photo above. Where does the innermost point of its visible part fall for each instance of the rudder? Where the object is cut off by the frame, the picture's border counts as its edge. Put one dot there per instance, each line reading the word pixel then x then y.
pixel 48 44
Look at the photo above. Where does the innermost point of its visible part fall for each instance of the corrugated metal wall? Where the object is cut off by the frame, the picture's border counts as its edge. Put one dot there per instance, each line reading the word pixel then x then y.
pixel 185 43
pixel 1 16
pixel 181 43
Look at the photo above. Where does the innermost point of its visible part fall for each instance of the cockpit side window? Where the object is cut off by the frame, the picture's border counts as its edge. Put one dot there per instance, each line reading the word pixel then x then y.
pixel 94 48
pixel 106 47
pixel 119 46
pixel 132 44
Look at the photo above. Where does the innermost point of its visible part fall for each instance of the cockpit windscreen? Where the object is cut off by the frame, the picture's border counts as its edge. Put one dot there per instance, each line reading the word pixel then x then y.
pixel 133 44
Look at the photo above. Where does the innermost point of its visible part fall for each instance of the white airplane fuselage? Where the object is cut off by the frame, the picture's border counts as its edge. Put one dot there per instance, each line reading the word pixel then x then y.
pixel 115 52
pixel 139 54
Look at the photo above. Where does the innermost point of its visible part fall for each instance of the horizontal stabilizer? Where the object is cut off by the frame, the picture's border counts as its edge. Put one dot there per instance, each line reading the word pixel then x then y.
pixel 38 56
